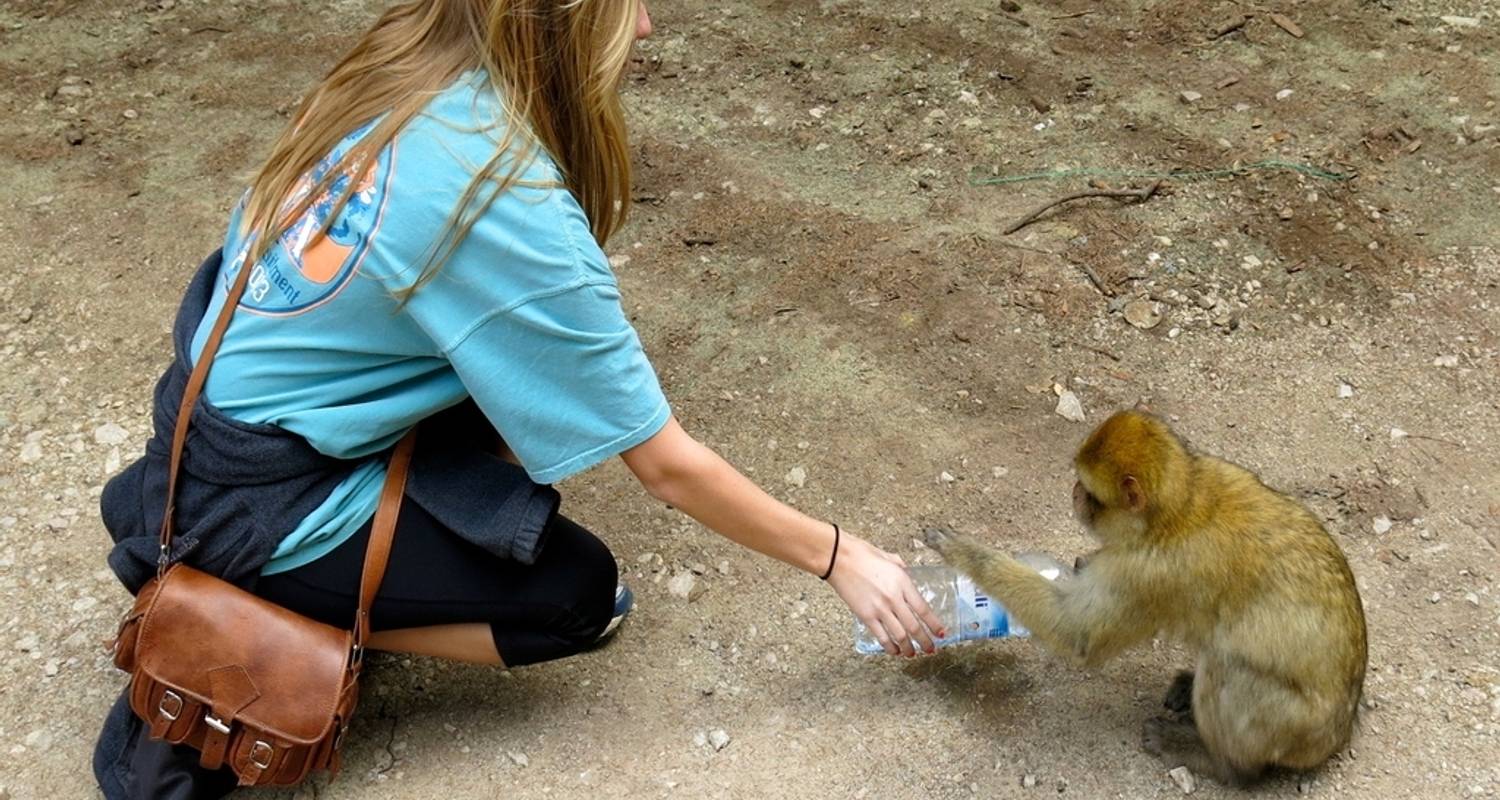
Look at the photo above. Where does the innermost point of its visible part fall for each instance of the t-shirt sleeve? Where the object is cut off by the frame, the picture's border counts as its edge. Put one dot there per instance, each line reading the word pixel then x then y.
pixel 564 379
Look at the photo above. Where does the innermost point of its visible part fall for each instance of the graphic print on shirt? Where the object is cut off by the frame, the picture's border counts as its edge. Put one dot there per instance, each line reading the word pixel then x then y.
pixel 306 270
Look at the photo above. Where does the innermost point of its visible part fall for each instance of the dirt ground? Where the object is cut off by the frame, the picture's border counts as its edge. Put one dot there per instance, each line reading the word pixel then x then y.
pixel 823 283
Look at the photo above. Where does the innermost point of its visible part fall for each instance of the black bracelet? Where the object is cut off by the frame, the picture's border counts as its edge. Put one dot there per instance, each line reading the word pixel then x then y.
pixel 833 559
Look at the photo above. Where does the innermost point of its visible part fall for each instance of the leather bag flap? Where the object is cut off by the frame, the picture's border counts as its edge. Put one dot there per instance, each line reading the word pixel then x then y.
pixel 268 667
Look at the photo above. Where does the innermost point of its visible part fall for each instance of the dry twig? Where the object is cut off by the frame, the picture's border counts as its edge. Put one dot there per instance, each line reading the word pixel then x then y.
pixel 1139 195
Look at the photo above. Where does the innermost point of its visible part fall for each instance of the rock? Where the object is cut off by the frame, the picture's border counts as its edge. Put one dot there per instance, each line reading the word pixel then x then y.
pixel 701 739
pixel 1447 362
pixel 1398 434
pixel 27 643
pixel 519 759
pixel 112 461
pixel 1183 777
pixel 1142 314
pixel 1460 22
pixel 1285 214
pixel 946 477
pixel 31 448
pixel 1190 97
pixel 1069 407
pixel 1435 598
pixel 723 568
pixel 1250 262
pixel 84 603
pixel 24 315
pixel 38 740
pixel 1472 599
pixel 1284 94
pixel 698 569
pixel 685 585
pixel 130 113
pixel 50 668
pixel 1010 6
pixel 1345 391
pixel 797 477
pixel 999 472
pixel 57 524
pixel 719 738
pixel 74 136
pixel 111 434
pixel 1382 524
pixel 1028 781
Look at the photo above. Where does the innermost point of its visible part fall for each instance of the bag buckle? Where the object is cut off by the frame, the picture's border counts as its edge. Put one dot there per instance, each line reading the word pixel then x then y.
pixel 216 723
pixel 170 706
pixel 261 754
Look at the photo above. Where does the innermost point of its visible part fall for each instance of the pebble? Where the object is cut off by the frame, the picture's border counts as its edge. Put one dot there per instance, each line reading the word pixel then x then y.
pixel 1142 314
pixel 1028 781
pixel 27 643
pixel 1190 97
pixel 1437 597
pixel 130 113
pixel 50 668
pixel 700 739
pixel 1472 599
pixel 31 449
pixel 1069 407
pixel 25 315
pixel 1454 20
pixel 1397 434
pixel 946 477
pixel 1345 391
pixel 1447 362
pixel 1183 777
pixel 519 759
pixel 1382 524
pixel 797 477
pixel 719 738
pixel 111 434
pixel 38 740
pixel 999 472
pixel 685 585
pixel 1284 94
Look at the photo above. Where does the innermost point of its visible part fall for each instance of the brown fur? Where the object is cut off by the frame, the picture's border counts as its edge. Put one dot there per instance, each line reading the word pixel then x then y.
pixel 1198 549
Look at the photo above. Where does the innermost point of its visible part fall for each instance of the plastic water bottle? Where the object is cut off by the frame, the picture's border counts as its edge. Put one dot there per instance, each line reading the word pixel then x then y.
pixel 967 613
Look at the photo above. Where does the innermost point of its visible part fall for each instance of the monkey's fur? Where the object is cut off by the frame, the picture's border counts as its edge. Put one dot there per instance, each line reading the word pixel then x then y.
pixel 1198 549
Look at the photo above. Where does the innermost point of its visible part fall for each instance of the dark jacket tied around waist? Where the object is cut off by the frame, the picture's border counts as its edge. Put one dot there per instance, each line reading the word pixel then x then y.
pixel 244 487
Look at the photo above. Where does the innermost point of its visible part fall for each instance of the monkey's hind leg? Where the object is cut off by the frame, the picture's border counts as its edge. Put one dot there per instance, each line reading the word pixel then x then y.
pixel 1179 699
pixel 1177 743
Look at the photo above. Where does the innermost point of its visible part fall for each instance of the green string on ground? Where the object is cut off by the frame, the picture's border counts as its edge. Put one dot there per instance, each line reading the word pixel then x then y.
pixel 1270 165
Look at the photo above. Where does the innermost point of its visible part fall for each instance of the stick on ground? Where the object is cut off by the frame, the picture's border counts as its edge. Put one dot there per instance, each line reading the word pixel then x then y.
pixel 1139 195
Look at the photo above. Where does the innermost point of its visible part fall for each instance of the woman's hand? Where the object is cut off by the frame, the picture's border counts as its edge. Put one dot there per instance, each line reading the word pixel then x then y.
pixel 877 589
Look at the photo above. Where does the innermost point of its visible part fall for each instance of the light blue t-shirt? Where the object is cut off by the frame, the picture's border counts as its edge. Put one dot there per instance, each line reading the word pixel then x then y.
pixel 525 317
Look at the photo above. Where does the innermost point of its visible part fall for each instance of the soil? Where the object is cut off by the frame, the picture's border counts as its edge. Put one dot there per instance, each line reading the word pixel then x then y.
pixel 821 278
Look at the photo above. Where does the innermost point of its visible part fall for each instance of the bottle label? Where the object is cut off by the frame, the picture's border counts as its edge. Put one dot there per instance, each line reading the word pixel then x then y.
pixel 981 616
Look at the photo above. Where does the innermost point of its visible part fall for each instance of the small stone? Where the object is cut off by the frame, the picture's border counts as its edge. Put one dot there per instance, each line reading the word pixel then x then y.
pixel 1250 262
pixel 1435 598
pixel 1142 314
pixel 1397 434
pixel 797 477
pixel 700 739
pixel 1190 97
pixel 1284 94
pixel 50 668
pixel 1183 777
pixel 1028 781
pixel 130 113
pixel 999 472
pixel 698 569
pixel 27 644
pixel 1345 391
pixel 719 738
pixel 1382 524
pixel 38 740
pixel 1472 599
pixel 24 315
pixel 57 524
pixel 31 450
pixel 1285 214
pixel 1010 6
pixel 519 759
pixel 111 434
pixel 946 477
pixel 1460 22
pixel 1069 407
pixel 1447 362
pixel 723 568
pixel 685 585
pixel 74 136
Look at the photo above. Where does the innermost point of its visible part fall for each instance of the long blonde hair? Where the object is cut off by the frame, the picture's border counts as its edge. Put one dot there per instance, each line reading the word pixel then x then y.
pixel 556 65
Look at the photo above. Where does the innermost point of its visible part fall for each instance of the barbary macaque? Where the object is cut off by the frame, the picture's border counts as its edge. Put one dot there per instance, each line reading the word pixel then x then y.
pixel 1197 549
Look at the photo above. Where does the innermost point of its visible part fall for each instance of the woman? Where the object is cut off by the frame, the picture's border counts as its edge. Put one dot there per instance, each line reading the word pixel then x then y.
pixel 426 237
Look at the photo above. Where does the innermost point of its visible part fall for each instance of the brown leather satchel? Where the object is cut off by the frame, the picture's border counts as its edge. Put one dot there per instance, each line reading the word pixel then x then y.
pixel 247 683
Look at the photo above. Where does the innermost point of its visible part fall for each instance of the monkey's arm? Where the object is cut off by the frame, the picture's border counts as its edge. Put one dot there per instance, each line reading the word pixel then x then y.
pixel 1081 618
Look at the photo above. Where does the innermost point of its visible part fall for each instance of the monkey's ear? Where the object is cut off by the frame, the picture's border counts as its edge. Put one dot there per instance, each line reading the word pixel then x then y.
pixel 1135 497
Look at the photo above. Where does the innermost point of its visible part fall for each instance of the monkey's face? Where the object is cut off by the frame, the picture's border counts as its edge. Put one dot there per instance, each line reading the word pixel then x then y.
pixel 1085 506
pixel 1105 522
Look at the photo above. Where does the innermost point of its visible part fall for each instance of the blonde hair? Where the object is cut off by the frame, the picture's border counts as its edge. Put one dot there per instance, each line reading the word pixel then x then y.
pixel 556 65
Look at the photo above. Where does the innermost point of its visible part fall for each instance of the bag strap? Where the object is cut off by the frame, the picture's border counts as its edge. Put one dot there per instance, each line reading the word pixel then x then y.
pixel 382 529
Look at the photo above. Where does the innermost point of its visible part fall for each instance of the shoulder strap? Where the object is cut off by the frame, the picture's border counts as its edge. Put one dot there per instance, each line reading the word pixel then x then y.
pixel 383 528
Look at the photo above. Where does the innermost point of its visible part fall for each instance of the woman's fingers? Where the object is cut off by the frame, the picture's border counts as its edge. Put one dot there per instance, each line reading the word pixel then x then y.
pixel 878 628
pixel 924 612
pixel 899 633
pixel 915 630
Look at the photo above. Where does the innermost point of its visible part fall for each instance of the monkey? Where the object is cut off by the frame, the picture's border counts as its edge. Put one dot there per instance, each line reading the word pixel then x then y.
pixel 1198 549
